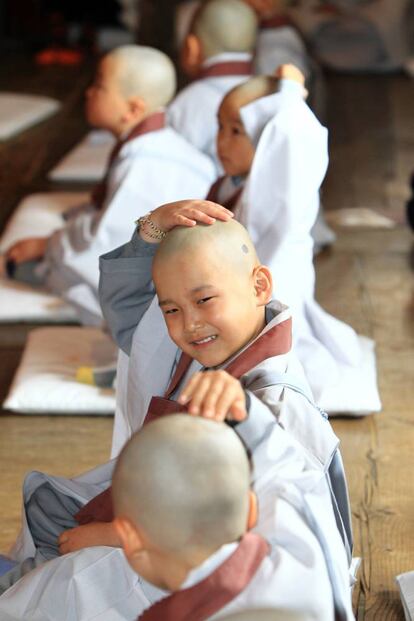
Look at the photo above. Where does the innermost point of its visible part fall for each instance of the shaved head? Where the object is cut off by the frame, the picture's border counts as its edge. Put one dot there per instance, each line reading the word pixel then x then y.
pixel 144 72
pixel 227 242
pixel 185 482
pixel 247 92
pixel 225 26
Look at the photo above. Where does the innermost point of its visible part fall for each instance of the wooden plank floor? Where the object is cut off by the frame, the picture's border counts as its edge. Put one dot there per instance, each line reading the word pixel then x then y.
pixel 366 280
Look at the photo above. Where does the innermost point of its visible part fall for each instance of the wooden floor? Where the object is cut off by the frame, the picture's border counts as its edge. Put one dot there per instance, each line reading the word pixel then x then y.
pixel 366 280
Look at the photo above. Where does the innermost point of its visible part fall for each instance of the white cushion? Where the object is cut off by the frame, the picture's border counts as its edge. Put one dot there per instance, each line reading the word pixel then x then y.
pixel 39 215
pixel 87 161
pixel 356 393
pixel 20 303
pixel 17 112
pixel 45 380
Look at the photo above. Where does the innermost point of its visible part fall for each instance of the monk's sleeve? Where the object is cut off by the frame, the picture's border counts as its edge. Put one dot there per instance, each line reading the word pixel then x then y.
pixel 125 288
pixel 259 423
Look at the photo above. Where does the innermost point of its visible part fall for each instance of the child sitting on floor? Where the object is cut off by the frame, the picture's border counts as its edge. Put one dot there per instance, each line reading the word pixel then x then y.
pixel 201 273
pixel 205 557
pixel 132 86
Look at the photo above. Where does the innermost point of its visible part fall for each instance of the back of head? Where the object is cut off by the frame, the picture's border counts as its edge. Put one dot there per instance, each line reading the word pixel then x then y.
pixel 268 614
pixel 225 26
pixel 254 88
pixel 145 72
pixel 185 482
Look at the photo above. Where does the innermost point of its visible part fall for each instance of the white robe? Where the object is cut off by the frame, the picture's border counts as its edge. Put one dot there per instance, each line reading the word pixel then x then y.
pixel 97 583
pixel 193 113
pixel 278 206
pixel 152 169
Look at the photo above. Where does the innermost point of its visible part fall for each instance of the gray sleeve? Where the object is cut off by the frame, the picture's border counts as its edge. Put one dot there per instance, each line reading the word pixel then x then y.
pixel 125 288
pixel 75 236
pixel 259 423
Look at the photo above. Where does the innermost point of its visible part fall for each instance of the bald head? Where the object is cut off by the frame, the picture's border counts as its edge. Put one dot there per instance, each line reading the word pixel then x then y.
pixel 225 243
pixel 144 72
pixel 247 92
pixel 225 26
pixel 185 482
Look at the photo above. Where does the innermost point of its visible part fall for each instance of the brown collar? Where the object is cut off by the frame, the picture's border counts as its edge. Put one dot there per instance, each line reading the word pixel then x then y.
pixel 213 194
pixel 227 68
pixel 222 586
pixel 275 22
pixel 275 342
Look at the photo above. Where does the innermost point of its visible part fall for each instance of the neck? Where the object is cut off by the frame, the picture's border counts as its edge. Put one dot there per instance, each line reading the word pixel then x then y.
pixel 175 571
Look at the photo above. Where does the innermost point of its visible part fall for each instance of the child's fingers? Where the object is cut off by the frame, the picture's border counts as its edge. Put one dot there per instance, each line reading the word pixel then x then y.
pixel 238 410
pixel 188 389
pixel 201 392
pixel 216 388
pixel 183 220
pixel 227 398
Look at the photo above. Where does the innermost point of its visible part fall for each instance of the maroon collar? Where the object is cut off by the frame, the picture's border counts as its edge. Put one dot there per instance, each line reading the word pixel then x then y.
pixel 275 342
pixel 227 68
pixel 222 586
pixel 231 201
pixel 278 21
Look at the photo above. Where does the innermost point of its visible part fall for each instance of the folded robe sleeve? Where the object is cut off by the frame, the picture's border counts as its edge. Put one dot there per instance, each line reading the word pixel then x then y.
pixel 126 288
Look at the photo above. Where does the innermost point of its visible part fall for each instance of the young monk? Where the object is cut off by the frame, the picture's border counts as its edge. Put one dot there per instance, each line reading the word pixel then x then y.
pixel 133 85
pixel 217 54
pixel 203 560
pixel 201 273
pixel 204 556
pixel 274 153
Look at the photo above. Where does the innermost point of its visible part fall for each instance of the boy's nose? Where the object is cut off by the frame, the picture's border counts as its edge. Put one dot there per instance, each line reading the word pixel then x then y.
pixel 192 322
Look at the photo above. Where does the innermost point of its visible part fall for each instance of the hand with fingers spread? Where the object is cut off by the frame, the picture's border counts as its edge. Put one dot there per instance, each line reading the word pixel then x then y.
pixel 29 249
pixel 216 395
pixel 184 213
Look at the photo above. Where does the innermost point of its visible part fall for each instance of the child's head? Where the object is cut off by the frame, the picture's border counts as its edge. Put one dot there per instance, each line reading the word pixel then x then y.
pixel 234 146
pixel 181 490
pixel 212 290
pixel 218 26
pixel 131 82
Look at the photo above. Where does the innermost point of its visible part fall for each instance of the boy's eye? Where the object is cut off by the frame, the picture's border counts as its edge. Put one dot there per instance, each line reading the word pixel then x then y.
pixel 204 300
pixel 171 311
pixel 236 131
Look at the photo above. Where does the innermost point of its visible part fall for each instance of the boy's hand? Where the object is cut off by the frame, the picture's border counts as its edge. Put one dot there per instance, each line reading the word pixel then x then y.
pixel 187 213
pixel 88 535
pixel 27 249
pixel 290 72
pixel 216 395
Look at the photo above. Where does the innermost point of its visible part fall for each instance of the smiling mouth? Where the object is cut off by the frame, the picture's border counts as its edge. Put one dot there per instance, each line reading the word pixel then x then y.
pixel 205 341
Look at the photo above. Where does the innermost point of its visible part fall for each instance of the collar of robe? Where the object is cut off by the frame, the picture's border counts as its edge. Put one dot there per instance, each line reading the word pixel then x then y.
pixel 278 21
pixel 228 203
pixel 151 123
pixel 226 68
pixel 222 586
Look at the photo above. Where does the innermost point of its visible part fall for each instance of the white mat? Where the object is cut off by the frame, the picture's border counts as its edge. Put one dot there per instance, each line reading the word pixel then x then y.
pixel 39 215
pixel 87 161
pixel 405 583
pixel 18 112
pixel 45 380
pixel 356 393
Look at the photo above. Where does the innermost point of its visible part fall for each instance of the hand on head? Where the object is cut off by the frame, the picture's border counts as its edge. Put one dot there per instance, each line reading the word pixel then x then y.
pixel 290 72
pixel 185 213
pixel 216 395
pixel 30 249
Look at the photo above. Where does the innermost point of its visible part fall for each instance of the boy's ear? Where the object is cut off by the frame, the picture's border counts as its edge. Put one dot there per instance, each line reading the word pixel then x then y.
pixel 263 284
pixel 253 513
pixel 136 109
pixel 129 535
pixel 191 56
